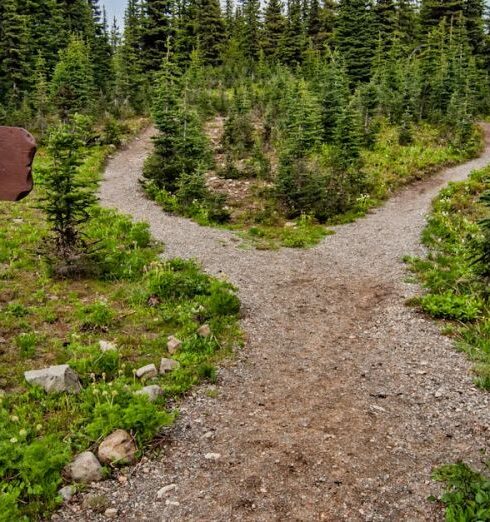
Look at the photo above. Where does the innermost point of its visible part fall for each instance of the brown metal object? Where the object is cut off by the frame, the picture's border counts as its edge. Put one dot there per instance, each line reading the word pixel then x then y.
pixel 17 151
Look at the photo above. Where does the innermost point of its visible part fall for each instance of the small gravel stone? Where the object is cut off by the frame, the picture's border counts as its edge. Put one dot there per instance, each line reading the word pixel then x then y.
pixel 212 456
pixel 163 492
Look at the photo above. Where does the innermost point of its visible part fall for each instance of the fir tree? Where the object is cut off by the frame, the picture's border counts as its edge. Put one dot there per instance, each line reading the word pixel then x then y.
pixel 473 12
pixel 210 31
pixel 274 28
pixel 334 92
pixel 355 38
pixel 432 12
pixel 157 32
pixel 101 51
pixel 251 29
pixel 72 85
pixel 67 201
pixel 13 53
pixel 180 146
pixel 385 17
pixel 293 44
pixel 129 78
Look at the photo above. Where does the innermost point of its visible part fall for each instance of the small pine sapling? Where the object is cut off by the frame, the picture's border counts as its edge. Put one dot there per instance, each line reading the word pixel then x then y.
pixel 66 203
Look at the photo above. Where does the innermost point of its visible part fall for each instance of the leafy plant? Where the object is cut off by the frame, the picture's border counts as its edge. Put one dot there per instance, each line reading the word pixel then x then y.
pixel 467 495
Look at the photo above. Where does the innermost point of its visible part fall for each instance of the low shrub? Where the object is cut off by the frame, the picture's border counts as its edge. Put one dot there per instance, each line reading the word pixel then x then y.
pixel 467 494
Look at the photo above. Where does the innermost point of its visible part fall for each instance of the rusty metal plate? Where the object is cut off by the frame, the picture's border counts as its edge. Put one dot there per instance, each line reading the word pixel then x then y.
pixel 17 151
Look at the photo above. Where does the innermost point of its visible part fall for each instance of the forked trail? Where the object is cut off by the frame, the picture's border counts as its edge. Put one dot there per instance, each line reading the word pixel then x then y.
pixel 343 399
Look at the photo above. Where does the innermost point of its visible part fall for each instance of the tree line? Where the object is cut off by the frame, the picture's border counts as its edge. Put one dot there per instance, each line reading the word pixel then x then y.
pixel 61 54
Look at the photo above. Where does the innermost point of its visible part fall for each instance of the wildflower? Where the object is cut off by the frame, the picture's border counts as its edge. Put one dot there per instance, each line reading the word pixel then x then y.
pixel 13 440
pixel 22 432
pixel 14 418
pixel 39 427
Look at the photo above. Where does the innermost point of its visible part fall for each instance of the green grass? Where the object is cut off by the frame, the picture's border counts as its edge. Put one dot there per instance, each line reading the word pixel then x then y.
pixel 133 300
pixel 455 292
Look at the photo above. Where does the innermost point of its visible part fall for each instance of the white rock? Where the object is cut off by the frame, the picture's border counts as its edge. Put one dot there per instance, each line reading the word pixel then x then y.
pixel 204 331
pixel 167 365
pixel 172 503
pixel 173 344
pixel 67 493
pixel 106 346
pixel 147 372
pixel 85 468
pixel 162 492
pixel 152 392
pixel 55 379
pixel 110 513
pixel 117 448
pixel 212 456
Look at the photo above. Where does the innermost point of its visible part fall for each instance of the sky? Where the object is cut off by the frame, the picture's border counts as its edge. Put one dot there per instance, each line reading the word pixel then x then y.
pixel 115 8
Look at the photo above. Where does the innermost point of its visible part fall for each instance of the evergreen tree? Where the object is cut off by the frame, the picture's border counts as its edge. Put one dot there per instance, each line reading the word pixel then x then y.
pixel 274 28
pixel 180 146
pixel 293 44
pixel 334 94
pixel 129 80
pixel 432 12
pixel 157 32
pixel 407 29
pixel 40 98
pixel 251 29
pixel 101 51
pixel 72 85
pixel 210 31
pixel 67 201
pixel 14 35
pixel 474 12
pixel 385 17
pixel 355 38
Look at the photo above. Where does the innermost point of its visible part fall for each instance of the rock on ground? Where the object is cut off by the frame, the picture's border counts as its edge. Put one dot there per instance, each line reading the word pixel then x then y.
pixel 85 468
pixel 55 379
pixel 117 448
pixel 152 392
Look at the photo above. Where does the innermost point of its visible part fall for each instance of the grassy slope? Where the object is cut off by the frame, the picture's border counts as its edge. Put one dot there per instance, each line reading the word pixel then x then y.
pixel 44 321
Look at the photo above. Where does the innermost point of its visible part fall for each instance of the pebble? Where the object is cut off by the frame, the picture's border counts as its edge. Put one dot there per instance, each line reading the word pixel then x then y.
pixel 110 513
pixel 162 492
pixel 212 456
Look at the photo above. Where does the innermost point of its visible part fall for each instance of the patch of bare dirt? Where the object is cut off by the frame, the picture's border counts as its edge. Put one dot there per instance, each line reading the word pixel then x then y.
pixel 343 399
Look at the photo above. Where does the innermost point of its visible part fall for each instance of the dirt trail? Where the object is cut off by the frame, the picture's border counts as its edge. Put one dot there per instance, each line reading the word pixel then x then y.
pixel 343 399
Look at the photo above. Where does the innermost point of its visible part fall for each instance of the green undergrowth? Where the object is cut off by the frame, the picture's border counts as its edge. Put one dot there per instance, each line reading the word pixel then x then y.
pixel 455 290
pixel 258 217
pixel 132 299
pixel 466 497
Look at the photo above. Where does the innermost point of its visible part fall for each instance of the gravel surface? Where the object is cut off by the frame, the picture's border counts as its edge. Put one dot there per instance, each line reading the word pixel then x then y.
pixel 343 399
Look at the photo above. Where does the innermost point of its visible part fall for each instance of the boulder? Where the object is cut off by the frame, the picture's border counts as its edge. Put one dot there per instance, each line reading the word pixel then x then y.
pixel 147 372
pixel 85 468
pixel 152 392
pixel 55 379
pixel 204 331
pixel 118 448
pixel 106 346
pixel 173 344
pixel 167 365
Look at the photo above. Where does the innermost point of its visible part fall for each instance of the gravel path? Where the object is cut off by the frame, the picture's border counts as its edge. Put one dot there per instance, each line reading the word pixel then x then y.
pixel 342 401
